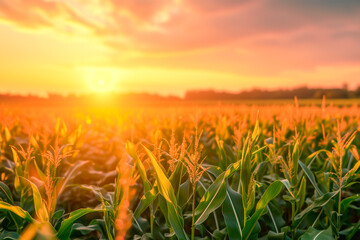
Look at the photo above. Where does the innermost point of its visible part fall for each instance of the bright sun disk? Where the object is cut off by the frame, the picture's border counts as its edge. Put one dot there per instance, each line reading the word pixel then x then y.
pixel 102 80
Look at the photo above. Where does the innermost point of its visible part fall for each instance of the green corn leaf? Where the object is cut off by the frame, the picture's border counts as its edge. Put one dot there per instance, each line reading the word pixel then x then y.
pixel 166 190
pixel 355 229
pixel 69 174
pixel 17 210
pixel 176 177
pixel 314 234
pixel 34 143
pixel 185 193
pixel 257 131
pixel 320 202
pixel 130 148
pixel 213 170
pixel 38 230
pixel 7 134
pixel 271 192
pixel 67 225
pixel 276 236
pixel 7 235
pixel 250 201
pixel 259 150
pixel 164 209
pixel 5 193
pixel 245 173
pixel 301 194
pixel 212 199
pixel 84 230
pixel 295 159
pixel 287 185
pixel 233 212
pixel 232 168
pixel 352 173
pixel 312 156
pixel 345 203
pixel 349 141
pixel 311 177
pixel 15 157
pixel 40 208
pixel 39 172
pixel 145 202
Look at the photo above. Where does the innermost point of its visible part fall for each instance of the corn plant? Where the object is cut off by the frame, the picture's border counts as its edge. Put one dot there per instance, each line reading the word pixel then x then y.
pixel 214 172
pixel 44 204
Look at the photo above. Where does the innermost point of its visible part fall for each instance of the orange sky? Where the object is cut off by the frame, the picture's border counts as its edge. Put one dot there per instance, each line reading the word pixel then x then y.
pixel 169 46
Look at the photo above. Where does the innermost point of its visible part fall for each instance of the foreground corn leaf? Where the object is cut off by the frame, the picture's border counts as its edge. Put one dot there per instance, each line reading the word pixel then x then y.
pixel 215 194
pixel 66 226
pixel 7 235
pixel 130 148
pixel 145 201
pixel 345 203
pixel 39 205
pixel 41 174
pixel 39 230
pixel 233 213
pixel 17 210
pixel 212 199
pixel 93 226
pixel 314 234
pixel 166 190
pixel 311 177
pixel 69 174
pixel 276 236
pixel 320 202
pixel 295 159
pixel 270 193
pixel 176 177
pixel 15 157
pixel 5 193
pixel 7 134
pixel 301 194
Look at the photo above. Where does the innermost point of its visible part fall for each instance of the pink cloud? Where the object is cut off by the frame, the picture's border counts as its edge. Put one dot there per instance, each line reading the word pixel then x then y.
pixel 265 37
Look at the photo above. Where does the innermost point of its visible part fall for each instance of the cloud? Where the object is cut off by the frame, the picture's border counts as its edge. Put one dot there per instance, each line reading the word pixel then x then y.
pixel 239 36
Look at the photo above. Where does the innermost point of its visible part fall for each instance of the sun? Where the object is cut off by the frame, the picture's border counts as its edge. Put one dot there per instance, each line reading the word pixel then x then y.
pixel 101 85
pixel 102 81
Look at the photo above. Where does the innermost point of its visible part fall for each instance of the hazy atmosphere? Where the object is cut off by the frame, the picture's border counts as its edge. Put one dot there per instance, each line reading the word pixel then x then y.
pixel 170 46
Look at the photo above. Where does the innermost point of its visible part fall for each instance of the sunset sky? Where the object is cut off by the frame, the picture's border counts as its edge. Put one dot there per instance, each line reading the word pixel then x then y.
pixel 169 46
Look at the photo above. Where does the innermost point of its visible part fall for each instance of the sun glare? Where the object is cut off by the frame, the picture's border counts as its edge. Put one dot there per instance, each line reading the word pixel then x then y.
pixel 102 81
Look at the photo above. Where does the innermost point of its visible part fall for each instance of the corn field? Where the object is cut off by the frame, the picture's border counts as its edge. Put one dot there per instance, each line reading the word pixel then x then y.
pixel 208 172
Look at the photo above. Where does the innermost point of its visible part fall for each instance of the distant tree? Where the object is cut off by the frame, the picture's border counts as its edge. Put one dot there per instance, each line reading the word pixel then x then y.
pixel 357 91
pixel 318 94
